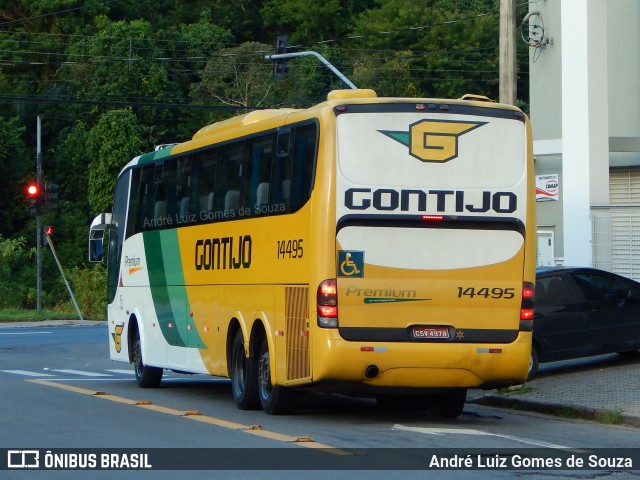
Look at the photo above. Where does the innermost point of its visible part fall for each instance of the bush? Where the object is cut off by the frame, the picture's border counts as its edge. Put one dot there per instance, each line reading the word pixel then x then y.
pixel 89 288
pixel 17 274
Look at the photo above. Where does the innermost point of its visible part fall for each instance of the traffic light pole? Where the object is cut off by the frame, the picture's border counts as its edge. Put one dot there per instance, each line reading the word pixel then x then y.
pixel 39 218
pixel 324 61
pixel 55 256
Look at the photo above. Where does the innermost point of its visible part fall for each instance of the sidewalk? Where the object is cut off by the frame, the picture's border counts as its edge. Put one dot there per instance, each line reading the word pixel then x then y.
pixel 604 388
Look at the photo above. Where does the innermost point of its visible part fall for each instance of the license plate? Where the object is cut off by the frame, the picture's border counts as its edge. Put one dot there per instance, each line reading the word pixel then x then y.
pixel 423 333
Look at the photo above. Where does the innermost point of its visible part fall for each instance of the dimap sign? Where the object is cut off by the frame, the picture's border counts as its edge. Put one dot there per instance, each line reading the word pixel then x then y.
pixel 547 188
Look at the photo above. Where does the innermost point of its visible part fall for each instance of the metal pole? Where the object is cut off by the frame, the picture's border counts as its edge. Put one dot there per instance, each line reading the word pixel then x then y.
pixel 324 61
pixel 39 216
pixel 55 256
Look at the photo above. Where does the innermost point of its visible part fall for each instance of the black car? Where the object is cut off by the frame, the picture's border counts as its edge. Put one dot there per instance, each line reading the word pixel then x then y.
pixel 581 312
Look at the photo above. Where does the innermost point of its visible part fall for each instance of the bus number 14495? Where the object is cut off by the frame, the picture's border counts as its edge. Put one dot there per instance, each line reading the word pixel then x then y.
pixel 290 248
pixel 486 292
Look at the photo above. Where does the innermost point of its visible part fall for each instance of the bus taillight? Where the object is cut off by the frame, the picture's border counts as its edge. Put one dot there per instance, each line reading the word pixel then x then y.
pixel 528 300
pixel 327 304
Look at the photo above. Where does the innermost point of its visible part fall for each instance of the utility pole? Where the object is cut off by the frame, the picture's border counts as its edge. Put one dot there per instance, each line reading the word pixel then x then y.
pixel 508 92
pixel 39 216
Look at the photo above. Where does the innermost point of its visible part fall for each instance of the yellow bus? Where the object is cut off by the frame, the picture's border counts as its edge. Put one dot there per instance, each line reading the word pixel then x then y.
pixel 376 247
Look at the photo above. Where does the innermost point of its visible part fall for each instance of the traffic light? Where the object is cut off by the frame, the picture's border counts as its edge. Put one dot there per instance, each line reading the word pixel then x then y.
pixel 33 196
pixel 47 231
pixel 281 67
pixel 51 196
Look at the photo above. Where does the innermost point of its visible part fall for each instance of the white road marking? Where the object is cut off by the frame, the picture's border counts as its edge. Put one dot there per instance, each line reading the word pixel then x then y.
pixel 80 372
pixel 26 373
pixel 125 372
pixel 471 431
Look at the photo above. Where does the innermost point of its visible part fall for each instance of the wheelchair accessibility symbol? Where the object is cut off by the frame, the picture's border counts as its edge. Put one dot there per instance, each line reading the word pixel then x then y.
pixel 350 263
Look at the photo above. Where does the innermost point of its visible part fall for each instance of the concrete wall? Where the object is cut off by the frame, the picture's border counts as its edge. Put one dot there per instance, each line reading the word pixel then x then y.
pixel 623 111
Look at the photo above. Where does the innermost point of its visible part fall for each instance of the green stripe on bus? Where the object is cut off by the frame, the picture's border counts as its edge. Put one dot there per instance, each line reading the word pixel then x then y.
pixel 152 157
pixel 168 291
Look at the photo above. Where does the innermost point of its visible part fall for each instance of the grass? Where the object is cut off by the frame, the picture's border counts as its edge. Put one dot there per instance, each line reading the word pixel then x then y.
pixel 22 315
pixel 610 417
pixel 517 389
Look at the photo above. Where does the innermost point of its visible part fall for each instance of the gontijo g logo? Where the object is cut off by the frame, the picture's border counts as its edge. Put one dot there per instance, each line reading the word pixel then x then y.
pixel 433 140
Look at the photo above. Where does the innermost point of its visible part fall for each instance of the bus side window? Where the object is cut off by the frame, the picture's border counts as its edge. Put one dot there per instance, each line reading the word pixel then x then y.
pixel 304 155
pixel 229 179
pixel 183 188
pixel 259 173
pixel 135 202
pixel 145 200
pixel 204 179
pixel 169 182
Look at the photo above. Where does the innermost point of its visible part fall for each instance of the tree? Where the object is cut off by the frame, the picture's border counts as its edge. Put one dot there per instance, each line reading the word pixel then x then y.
pixel 16 273
pixel 305 22
pixel 428 50
pixel 35 37
pixel 238 77
pixel 14 163
pixel 121 63
pixel 113 141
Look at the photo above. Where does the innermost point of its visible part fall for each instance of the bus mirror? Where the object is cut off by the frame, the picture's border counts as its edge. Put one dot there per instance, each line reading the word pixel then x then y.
pixel 96 247
pixel 96 236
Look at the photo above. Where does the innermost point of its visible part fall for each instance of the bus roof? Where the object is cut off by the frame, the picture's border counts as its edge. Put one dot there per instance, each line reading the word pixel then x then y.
pixel 220 130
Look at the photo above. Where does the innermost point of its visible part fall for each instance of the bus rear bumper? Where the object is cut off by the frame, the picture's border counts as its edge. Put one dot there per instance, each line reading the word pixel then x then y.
pixel 425 365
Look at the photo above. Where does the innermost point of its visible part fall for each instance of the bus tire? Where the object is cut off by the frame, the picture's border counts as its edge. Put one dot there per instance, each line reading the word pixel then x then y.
pixel 451 404
pixel 244 379
pixel 146 376
pixel 275 399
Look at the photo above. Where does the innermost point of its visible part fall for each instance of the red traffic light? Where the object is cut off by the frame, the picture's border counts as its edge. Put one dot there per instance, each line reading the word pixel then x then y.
pixel 33 190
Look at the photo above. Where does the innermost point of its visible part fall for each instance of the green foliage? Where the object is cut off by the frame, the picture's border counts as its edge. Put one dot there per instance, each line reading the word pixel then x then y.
pixel 307 22
pixel 17 274
pixel 430 50
pixel 242 17
pixel 89 285
pixel 610 417
pixel 32 315
pixel 13 172
pixel 113 141
pixel 238 77
pixel 112 80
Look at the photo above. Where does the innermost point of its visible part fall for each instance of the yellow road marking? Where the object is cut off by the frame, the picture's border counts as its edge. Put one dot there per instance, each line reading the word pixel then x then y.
pixel 195 415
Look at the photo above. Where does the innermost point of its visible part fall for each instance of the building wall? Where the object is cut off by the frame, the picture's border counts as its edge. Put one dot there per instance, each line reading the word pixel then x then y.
pixel 623 50
pixel 624 67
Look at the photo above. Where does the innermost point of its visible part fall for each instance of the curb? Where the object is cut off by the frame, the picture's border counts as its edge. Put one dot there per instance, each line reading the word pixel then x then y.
pixel 558 409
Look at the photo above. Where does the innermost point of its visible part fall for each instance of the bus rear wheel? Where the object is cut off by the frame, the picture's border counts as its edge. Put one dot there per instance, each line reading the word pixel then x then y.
pixel 450 404
pixel 275 399
pixel 244 380
pixel 146 376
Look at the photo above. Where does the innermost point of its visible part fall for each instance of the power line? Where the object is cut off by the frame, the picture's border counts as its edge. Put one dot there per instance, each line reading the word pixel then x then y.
pixel 58 12
pixel 114 103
